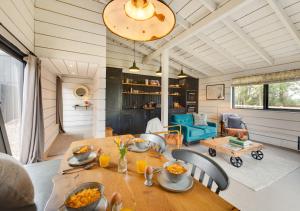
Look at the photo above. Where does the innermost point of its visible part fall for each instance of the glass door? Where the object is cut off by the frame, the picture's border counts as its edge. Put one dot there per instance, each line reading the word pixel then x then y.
pixel 11 83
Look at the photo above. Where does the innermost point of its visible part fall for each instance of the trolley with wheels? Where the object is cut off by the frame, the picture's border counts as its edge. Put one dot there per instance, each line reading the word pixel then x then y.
pixel 221 145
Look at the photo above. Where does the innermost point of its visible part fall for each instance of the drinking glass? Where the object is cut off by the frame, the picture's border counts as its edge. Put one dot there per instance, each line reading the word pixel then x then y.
pixel 104 160
pixel 141 166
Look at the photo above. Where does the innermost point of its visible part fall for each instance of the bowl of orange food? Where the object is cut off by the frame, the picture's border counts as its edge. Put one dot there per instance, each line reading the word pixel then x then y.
pixel 140 143
pixel 82 152
pixel 175 170
pixel 85 197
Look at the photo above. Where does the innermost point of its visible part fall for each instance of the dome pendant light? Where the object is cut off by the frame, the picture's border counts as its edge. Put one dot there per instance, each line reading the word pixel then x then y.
pixel 181 74
pixel 134 68
pixel 140 20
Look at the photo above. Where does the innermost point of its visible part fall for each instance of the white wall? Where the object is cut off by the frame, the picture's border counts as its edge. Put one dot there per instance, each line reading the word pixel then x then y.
pixel 49 106
pixel 280 128
pixel 71 30
pixel 77 121
pixel 18 17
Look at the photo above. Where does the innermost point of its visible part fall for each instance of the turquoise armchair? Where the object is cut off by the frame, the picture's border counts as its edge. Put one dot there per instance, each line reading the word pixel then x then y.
pixel 191 132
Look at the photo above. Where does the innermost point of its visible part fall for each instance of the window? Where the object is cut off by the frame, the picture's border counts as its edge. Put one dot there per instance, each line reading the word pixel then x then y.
pixel 276 96
pixel 11 83
pixel 250 96
pixel 284 95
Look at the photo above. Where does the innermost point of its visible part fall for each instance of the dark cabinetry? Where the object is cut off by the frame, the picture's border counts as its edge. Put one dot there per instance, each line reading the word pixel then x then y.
pixel 128 97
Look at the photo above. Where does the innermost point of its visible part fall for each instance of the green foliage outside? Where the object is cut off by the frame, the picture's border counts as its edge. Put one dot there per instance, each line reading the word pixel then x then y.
pixel 249 96
pixel 284 94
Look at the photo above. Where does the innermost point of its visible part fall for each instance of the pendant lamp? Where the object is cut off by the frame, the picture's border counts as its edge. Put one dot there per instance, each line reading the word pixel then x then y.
pixel 134 68
pixel 140 20
pixel 182 74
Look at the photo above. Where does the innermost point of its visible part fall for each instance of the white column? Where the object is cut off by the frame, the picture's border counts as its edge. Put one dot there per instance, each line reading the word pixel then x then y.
pixel 165 87
pixel 99 103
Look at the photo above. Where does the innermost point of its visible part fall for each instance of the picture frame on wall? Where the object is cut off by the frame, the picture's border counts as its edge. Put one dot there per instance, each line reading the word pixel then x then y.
pixel 215 92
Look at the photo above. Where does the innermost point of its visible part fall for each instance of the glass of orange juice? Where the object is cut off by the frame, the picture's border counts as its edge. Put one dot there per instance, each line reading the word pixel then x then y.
pixel 104 160
pixel 141 166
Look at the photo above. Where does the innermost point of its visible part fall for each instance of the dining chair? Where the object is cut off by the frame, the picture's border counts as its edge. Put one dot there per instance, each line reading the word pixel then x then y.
pixel 206 166
pixel 157 142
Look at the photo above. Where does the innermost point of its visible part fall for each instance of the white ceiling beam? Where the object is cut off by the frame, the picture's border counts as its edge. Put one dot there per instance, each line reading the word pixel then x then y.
pixel 247 39
pixel 210 19
pixel 175 64
pixel 209 42
pixel 211 5
pixel 221 50
pixel 285 19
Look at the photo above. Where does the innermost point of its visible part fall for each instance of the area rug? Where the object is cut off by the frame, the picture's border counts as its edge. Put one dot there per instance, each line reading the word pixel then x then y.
pixel 255 174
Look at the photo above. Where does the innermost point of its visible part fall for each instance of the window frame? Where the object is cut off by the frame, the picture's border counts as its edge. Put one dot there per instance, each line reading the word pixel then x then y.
pixel 12 50
pixel 265 101
pixel 255 109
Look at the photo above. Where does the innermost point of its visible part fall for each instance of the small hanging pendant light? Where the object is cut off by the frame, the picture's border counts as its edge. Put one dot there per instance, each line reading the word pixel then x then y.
pixel 182 74
pixel 140 20
pixel 134 68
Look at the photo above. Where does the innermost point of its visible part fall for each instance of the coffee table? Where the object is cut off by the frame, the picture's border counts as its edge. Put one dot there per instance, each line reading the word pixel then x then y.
pixel 222 145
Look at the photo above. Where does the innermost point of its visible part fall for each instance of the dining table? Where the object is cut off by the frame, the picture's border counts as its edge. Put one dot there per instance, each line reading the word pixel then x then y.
pixel 130 185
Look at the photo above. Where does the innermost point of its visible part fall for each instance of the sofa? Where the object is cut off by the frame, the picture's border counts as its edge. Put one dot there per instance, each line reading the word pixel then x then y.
pixel 191 132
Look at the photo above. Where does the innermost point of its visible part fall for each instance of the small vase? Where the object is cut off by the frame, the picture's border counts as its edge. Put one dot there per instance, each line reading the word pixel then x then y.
pixel 122 165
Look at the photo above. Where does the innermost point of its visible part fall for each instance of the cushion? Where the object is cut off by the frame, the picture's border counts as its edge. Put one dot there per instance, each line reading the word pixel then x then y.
pixel 200 119
pixel 207 129
pixel 196 132
pixel 16 189
pixel 183 119
pixel 234 122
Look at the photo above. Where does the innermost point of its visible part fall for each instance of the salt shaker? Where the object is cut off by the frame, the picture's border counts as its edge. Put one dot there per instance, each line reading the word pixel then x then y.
pixel 148 176
pixel 116 202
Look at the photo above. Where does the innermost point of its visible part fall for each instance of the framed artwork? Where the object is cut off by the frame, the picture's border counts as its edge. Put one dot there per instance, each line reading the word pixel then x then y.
pixel 215 92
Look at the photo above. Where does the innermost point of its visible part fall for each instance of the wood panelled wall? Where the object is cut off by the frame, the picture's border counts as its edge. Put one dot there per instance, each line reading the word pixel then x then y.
pixel 77 121
pixel 73 30
pixel 70 29
pixel 18 17
pixel 49 106
pixel 280 128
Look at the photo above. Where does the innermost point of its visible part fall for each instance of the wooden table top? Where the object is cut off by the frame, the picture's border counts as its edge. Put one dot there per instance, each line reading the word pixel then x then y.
pixel 218 145
pixel 135 194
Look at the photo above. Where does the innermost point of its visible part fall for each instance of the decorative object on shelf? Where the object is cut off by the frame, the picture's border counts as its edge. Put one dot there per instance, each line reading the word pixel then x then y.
pixel 148 176
pixel 123 148
pixel 81 92
pixel 82 106
pixel 154 82
pixel 140 20
pixel 182 74
pixel 134 68
pixel 215 92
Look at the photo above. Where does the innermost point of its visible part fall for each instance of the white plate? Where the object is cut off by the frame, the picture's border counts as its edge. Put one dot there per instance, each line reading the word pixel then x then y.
pixel 134 148
pixel 183 185
pixel 73 161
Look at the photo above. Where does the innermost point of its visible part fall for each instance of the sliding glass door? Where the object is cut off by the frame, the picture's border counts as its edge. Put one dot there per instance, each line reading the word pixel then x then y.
pixel 11 83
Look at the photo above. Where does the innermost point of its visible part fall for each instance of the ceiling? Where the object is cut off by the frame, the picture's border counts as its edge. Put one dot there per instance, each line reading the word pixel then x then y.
pixel 64 67
pixel 214 37
pixel 260 33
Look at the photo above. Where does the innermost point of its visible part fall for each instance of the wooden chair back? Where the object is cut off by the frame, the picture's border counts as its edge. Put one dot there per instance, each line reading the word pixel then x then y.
pixel 206 166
